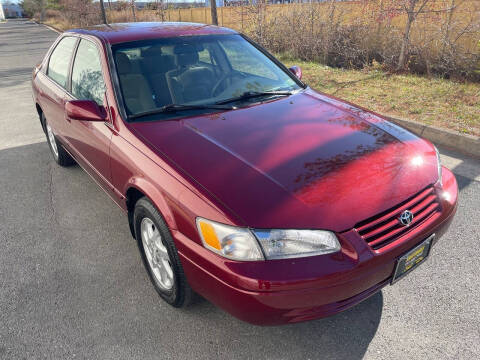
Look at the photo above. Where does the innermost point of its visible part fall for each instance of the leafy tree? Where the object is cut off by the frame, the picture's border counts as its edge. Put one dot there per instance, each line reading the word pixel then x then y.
pixel 34 6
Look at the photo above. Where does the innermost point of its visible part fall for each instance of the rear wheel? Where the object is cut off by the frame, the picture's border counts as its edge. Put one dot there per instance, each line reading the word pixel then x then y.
pixel 160 256
pixel 59 154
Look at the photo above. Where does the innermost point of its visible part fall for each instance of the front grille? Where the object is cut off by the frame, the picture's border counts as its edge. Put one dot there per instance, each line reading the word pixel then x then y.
pixel 385 228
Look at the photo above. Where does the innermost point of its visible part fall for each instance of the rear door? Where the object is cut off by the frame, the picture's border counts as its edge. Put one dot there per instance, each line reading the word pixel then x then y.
pixel 90 141
pixel 53 84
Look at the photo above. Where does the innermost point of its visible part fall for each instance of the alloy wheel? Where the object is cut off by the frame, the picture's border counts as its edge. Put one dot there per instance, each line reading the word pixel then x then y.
pixel 51 140
pixel 156 254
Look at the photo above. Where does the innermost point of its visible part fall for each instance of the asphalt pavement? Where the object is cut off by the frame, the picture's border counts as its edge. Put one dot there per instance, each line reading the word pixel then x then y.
pixel 72 284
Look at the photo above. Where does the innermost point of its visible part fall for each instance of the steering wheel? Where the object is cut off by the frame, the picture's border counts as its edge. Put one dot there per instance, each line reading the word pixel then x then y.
pixel 220 82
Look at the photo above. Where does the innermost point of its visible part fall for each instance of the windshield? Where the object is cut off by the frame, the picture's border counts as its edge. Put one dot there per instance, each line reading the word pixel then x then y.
pixel 194 70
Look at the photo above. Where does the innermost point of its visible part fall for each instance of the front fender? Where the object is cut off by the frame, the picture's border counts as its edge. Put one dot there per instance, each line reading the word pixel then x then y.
pixel 155 196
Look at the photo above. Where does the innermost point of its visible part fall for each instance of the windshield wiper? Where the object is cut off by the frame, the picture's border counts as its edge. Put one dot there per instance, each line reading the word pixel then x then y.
pixel 254 94
pixel 179 107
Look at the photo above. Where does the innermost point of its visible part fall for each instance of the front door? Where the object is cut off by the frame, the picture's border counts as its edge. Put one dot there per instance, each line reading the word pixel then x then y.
pixel 90 141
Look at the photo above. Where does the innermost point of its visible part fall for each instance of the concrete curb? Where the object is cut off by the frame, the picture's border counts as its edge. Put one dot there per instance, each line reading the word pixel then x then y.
pixel 464 143
pixel 47 26
pixel 52 28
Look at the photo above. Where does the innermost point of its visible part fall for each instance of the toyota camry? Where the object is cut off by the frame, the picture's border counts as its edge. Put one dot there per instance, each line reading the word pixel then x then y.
pixel 274 201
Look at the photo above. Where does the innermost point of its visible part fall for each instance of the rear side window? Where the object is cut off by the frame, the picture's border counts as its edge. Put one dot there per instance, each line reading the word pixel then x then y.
pixel 60 60
pixel 87 78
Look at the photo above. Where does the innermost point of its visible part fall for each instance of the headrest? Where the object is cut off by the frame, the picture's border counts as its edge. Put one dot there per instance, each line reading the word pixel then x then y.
pixel 185 54
pixel 124 66
pixel 156 63
pixel 186 59
pixel 184 48
pixel 188 47
pixel 152 51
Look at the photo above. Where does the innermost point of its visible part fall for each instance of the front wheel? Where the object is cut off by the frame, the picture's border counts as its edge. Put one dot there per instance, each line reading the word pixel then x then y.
pixel 160 256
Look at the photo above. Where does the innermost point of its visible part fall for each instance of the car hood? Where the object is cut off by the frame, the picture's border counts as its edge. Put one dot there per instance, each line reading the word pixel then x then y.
pixel 304 161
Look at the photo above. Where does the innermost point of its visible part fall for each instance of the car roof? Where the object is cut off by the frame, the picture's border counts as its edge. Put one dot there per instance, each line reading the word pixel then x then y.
pixel 125 32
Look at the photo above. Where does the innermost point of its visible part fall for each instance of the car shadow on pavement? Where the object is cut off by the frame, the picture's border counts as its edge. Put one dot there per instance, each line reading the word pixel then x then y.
pixel 346 335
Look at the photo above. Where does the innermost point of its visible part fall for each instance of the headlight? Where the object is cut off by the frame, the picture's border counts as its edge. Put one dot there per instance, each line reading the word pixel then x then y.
pixel 229 241
pixel 241 243
pixel 280 244
pixel 439 165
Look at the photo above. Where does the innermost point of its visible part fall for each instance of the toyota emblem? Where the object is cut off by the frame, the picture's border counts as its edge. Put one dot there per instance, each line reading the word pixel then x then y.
pixel 406 218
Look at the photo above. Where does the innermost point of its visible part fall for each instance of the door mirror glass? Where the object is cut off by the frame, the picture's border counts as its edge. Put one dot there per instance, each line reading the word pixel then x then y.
pixel 86 110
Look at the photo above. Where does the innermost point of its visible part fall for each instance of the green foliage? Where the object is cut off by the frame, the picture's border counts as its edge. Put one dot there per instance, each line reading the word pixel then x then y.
pixel 54 4
pixel 31 6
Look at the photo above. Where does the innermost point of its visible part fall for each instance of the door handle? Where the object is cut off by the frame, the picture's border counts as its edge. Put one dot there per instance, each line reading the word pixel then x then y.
pixel 64 102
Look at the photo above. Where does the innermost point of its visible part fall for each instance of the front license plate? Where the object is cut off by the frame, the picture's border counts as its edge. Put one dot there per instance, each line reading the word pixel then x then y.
pixel 412 259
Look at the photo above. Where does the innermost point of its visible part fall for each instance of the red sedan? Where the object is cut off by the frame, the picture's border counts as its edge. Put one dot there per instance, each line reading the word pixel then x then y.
pixel 240 183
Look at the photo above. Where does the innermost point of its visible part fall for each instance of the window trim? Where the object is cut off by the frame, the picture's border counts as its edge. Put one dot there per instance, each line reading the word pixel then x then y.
pixel 115 83
pixel 74 57
pixel 69 64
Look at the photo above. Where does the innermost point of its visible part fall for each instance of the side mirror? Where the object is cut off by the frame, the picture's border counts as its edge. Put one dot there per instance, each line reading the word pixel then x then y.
pixel 297 71
pixel 86 110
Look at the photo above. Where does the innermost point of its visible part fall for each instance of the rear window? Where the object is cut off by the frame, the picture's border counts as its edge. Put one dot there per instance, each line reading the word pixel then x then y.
pixel 60 60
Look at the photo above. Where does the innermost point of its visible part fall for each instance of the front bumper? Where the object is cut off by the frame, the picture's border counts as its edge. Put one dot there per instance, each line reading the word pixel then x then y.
pixel 292 290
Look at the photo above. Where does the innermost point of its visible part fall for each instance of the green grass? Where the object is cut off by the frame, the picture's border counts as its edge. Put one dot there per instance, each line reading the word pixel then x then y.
pixel 433 101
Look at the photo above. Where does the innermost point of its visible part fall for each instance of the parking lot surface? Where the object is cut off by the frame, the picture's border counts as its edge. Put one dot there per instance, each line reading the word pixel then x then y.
pixel 72 284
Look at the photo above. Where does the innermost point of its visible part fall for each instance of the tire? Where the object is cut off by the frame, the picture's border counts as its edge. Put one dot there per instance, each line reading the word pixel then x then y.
pixel 172 287
pixel 59 154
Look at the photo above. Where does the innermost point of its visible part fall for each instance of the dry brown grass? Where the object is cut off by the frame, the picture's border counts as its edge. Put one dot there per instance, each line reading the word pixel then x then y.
pixel 433 101
pixel 445 39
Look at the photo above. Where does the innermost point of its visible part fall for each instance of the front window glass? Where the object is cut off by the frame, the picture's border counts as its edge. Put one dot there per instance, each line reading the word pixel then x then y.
pixel 87 79
pixel 194 70
pixel 242 58
pixel 60 60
